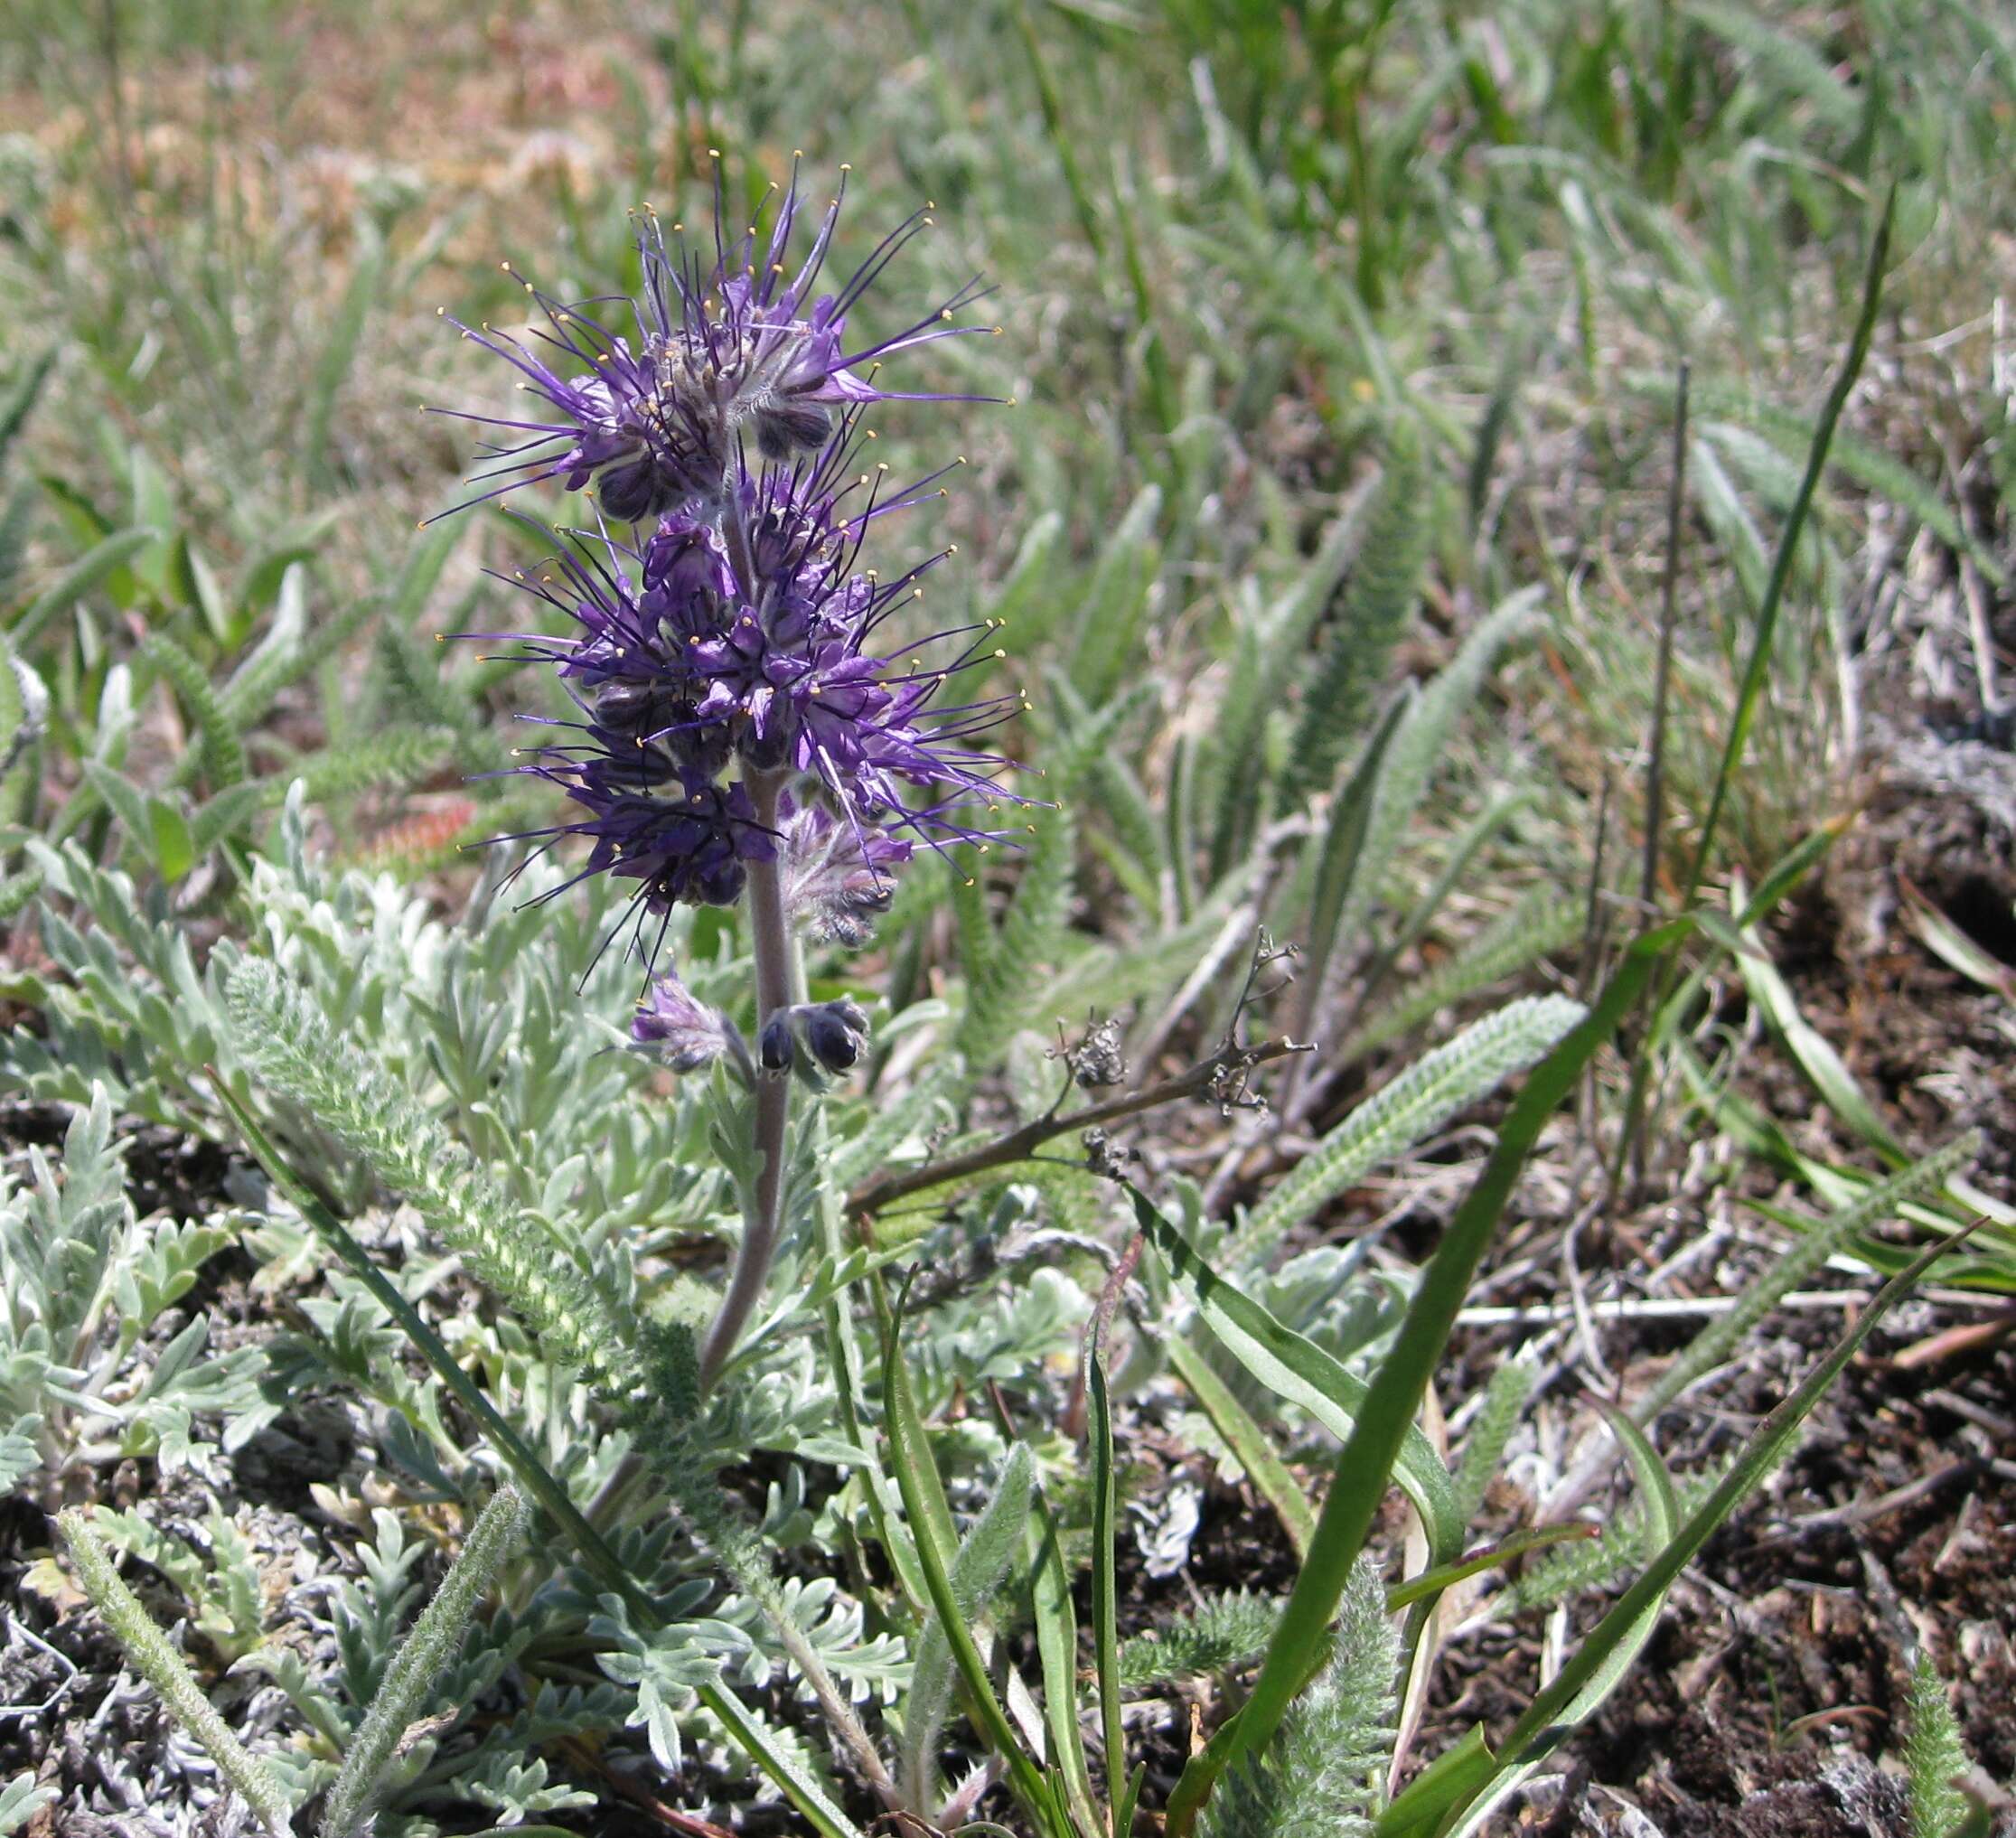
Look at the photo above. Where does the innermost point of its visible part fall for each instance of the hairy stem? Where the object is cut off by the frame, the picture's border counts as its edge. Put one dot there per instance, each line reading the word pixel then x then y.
pixel 152 1655
pixel 770 933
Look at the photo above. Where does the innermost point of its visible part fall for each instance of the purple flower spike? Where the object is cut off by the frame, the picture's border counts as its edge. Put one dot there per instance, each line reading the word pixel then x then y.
pixel 738 693
pixel 716 348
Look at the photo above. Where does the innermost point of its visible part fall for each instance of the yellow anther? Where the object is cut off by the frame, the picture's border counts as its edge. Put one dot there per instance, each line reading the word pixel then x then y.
pixel 1001 653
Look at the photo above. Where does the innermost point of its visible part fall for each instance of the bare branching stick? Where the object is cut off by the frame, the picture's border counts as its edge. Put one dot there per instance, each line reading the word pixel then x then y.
pixel 1222 1076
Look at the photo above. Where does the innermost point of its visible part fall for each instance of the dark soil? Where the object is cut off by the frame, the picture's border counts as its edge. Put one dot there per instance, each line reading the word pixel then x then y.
pixel 1778 1675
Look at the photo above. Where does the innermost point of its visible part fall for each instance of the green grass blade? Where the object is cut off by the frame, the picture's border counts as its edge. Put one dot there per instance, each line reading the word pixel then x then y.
pixel 1756 672
pixel 1056 1634
pixel 1105 1611
pixel 1257 1454
pixel 1549 1717
pixel 1299 1371
pixel 1369 1457
pixel 917 1479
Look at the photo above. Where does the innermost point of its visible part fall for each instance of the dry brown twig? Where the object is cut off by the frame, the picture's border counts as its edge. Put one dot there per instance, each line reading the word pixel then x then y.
pixel 1224 1075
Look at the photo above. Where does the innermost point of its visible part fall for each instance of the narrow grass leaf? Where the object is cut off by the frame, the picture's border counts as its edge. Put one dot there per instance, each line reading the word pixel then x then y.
pixel 1551 1715
pixel 1248 1441
pixel 1367 1463
pixel 1298 1370
pixel 917 1479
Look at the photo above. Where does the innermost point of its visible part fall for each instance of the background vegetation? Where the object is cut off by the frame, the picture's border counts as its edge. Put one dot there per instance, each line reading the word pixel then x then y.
pixel 1422 538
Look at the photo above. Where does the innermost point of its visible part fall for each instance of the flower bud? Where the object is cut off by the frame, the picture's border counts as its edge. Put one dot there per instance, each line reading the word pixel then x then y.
pixel 784 429
pixel 836 1032
pixel 776 1046
pixel 838 879
pixel 686 1033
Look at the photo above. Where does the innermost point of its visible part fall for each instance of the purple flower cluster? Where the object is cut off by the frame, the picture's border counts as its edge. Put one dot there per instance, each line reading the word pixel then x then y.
pixel 652 417
pixel 740 693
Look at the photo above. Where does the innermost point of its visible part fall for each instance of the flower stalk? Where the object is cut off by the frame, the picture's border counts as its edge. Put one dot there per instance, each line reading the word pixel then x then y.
pixel 770 936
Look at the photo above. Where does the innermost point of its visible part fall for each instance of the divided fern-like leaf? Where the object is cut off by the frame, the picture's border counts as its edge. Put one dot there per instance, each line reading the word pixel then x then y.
pixel 1225 1630
pixel 1619 1549
pixel 1370 616
pixel 1802 1260
pixel 1326 1766
pixel 1409 1108
pixel 409 1679
pixel 279 1033
pixel 1000 990
pixel 154 1657
pixel 223 750
pixel 1484 1448
pixel 1934 1757
pixel 1543 920
pixel 398 757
